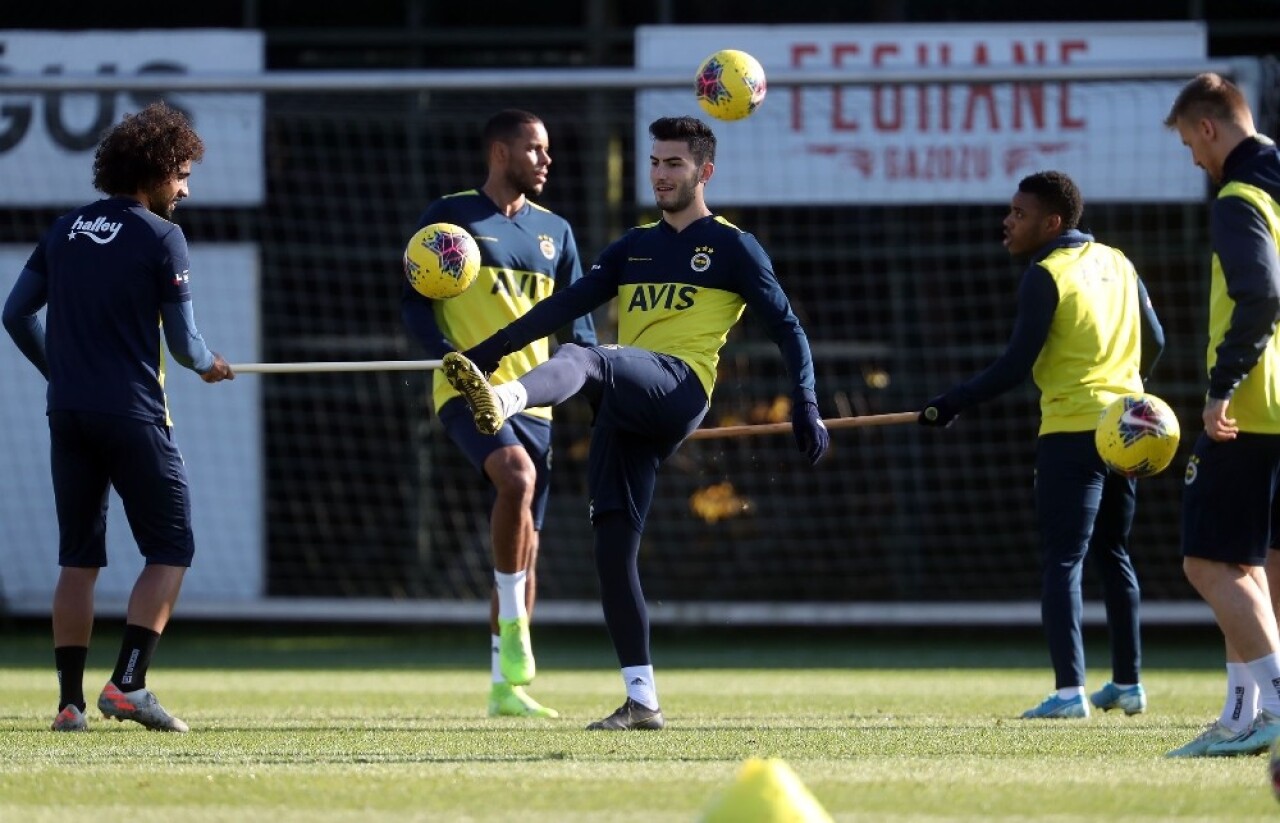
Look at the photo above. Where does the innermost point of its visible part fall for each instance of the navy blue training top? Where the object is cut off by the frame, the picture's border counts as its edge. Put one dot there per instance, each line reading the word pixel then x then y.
pixel 110 269
pixel 679 293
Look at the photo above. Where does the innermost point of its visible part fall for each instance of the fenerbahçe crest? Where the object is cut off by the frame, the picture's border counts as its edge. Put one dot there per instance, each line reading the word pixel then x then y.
pixel 547 246
pixel 701 260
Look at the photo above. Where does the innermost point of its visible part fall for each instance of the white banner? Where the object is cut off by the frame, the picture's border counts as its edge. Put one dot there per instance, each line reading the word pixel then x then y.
pixel 936 143
pixel 217 427
pixel 47 140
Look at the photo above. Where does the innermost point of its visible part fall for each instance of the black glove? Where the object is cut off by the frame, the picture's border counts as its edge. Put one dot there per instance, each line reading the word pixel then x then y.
pixel 488 353
pixel 939 412
pixel 811 434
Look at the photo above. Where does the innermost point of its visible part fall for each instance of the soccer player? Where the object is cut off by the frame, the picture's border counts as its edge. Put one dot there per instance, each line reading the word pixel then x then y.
pixel 1086 332
pixel 682 283
pixel 526 254
pixel 114 275
pixel 1229 502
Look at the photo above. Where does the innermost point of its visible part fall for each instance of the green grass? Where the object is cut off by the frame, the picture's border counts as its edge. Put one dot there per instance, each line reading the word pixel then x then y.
pixel 364 725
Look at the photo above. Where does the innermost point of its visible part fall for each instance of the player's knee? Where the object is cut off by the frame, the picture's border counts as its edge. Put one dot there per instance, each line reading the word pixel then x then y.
pixel 585 359
pixel 178 552
pixel 1205 575
pixel 1193 568
pixel 513 474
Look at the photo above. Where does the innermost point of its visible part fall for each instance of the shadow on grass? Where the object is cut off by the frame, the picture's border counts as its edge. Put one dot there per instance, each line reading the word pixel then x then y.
pixel 26 644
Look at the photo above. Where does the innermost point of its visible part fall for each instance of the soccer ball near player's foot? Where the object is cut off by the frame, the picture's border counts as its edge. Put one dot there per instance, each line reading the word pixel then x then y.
pixel 1137 435
pixel 441 261
pixel 730 84
pixel 1273 768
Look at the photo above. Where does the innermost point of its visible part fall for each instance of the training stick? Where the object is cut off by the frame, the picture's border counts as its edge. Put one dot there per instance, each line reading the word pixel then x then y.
pixel 834 423
pixel 363 365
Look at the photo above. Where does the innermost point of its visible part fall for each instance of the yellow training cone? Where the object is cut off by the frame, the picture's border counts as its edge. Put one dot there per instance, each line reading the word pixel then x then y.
pixel 765 791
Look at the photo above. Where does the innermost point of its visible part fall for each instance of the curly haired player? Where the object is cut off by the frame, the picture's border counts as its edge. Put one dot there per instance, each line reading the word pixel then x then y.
pixel 113 274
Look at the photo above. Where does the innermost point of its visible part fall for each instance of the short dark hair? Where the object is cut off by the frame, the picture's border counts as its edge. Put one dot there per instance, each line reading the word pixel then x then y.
pixel 144 150
pixel 1058 192
pixel 506 125
pixel 695 133
pixel 1210 96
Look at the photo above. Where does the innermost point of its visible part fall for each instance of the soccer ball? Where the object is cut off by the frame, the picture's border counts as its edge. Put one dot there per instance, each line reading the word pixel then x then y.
pixel 1137 435
pixel 1273 768
pixel 441 261
pixel 730 85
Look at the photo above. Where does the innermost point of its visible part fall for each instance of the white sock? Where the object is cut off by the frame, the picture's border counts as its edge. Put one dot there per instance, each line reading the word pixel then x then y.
pixel 1070 692
pixel 511 594
pixel 512 398
pixel 495 668
pixel 1242 698
pixel 640 686
pixel 1266 672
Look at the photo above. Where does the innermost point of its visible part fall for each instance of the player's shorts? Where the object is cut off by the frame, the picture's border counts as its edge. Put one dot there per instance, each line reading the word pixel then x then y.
pixel 648 404
pixel 533 433
pixel 90 453
pixel 1229 498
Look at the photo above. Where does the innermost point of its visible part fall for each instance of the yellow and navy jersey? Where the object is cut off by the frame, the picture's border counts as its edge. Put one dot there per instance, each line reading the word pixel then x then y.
pixel 1085 331
pixel 106 273
pixel 679 293
pixel 524 259
pixel 1244 291
pixel 1093 349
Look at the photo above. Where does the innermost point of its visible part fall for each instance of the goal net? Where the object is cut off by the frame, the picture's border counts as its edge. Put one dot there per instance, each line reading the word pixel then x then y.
pixel 338 495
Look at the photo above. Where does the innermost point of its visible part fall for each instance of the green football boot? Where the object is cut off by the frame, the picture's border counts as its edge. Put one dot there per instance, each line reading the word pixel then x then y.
pixel 515 651
pixel 506 700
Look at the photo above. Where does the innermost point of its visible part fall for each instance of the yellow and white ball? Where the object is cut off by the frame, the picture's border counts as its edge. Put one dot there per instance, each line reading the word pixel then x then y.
pixel 730 84
pixel 441 261
pixel 1137 435
pixel 1273 768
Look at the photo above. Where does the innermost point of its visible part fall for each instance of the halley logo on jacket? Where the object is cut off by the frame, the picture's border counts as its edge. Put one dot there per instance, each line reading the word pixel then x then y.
pixel 95 230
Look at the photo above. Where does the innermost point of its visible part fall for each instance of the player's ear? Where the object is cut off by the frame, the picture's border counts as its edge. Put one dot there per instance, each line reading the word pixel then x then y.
pixel 708 169
pixel 497 151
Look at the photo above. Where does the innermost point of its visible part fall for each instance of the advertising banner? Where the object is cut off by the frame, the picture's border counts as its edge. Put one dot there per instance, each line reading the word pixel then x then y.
pixel 930 143
pixel 47 139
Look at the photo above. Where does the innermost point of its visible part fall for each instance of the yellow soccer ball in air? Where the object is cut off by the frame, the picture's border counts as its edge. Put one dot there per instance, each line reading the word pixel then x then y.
pixel 441 261
pixel 730 84
pixel 1137 435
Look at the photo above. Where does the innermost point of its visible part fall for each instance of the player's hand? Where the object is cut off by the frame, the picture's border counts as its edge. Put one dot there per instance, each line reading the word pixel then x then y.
pixel 1217 425
pixel 938 412
pixel 811 434
pixel 489 352
pixel 220 370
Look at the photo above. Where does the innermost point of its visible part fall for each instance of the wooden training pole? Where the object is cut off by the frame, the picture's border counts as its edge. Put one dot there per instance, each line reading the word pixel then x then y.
pixel 834 423
pixel 343 366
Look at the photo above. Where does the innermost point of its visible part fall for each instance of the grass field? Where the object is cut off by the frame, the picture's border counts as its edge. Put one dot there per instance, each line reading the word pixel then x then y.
pixel 297 725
